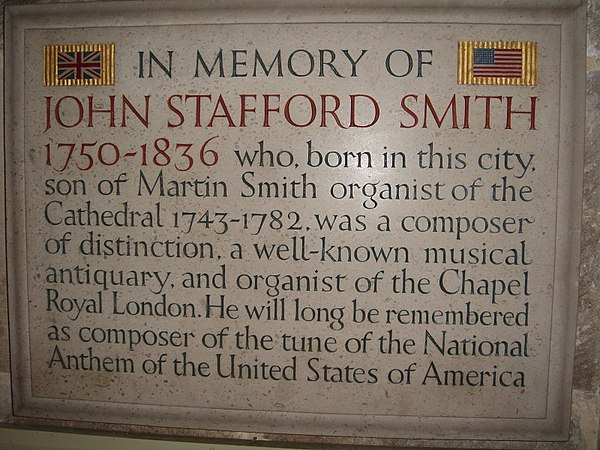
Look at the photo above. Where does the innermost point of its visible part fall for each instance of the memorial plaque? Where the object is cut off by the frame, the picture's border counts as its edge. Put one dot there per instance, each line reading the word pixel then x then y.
pixel 289 223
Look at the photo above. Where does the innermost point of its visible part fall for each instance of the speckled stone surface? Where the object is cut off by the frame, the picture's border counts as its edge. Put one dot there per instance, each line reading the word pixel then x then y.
pixel 587 373
pixel 586 385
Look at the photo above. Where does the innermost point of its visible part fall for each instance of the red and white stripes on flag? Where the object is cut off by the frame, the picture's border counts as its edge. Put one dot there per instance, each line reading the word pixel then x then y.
pixel 498 62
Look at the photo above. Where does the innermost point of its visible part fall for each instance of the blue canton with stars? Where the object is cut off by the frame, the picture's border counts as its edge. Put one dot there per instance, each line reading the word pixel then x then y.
pixel 483 56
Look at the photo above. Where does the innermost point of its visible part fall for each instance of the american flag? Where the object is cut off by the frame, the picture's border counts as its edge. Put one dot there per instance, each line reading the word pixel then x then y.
pixel 79 65
pixel 498 62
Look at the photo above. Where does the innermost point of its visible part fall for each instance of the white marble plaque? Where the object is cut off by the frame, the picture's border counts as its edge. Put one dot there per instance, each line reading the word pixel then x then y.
pixel 350 224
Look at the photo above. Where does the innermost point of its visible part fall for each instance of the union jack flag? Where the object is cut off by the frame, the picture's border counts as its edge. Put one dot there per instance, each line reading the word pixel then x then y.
pixel 79 65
